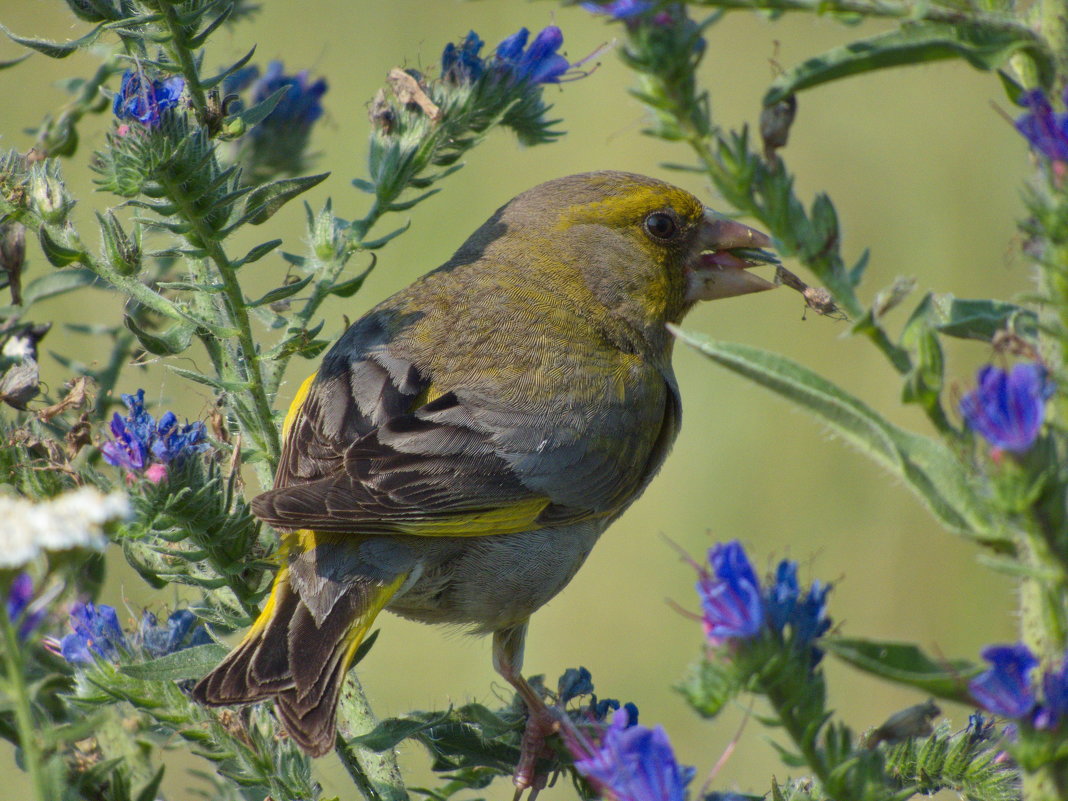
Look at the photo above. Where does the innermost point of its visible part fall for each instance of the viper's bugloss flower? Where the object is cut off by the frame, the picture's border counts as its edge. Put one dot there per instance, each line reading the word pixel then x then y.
pixel 178 633
pixel 730 595
pixel 1045 131
pixel 1007 409
pixel 144 99
pixel 1005 689
pixel 735 607
pixel 633 763
pixel 463 64
pixel 96 633
pixel 539 63
pixel 19 596
pixel 299 107
pixel 619 9
pixel 138 438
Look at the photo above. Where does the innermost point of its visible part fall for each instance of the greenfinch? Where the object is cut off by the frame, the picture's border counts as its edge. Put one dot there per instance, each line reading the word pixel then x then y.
pixel 465 443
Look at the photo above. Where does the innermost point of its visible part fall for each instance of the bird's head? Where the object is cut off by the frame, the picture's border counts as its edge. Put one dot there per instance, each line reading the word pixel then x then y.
pixel 646 249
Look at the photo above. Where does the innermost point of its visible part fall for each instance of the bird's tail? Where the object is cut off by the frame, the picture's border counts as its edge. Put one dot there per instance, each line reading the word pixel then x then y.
pixel 298 658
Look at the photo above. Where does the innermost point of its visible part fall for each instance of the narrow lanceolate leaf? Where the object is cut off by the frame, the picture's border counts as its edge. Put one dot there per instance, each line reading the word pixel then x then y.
pixel 264 201
pixel 282 292
pixel 981 319
pixel 926 466
pixel 981 46
pixel 257 253
pixel 56 283
pixel 162 343
pixel 190 663
pixel 905 663
pixel 55 49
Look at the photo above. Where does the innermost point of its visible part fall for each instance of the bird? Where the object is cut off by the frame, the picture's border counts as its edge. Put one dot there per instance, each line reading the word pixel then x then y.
pixel 464 444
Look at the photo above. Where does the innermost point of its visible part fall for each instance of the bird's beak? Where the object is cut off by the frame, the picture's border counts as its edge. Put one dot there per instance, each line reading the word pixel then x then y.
pixel 727 249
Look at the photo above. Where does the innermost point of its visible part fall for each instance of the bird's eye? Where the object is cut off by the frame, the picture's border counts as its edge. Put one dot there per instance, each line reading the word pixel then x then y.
pixel 661 225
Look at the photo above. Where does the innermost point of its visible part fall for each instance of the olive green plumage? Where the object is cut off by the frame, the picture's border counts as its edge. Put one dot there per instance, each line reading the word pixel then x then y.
pixel 464 444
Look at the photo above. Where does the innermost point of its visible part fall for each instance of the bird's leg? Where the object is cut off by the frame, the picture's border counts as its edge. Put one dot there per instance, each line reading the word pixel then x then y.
pixel 541 720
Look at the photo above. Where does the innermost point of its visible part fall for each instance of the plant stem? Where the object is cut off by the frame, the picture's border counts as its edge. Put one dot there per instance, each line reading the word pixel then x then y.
pixel 375 774
pixel 179 49
pixel 31 755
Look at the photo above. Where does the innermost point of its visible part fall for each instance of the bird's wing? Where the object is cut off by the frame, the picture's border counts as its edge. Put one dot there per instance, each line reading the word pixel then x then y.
pixel 374 449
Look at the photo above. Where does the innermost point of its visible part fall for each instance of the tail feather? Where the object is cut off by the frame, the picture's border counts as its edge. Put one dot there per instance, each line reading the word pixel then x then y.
pixel 287 657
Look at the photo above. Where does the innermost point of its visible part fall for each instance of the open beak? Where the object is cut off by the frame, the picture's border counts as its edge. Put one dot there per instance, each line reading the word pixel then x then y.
pixel 727 250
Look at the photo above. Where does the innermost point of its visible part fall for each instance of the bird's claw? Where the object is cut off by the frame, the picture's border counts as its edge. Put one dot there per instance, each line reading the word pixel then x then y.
pixel 542 722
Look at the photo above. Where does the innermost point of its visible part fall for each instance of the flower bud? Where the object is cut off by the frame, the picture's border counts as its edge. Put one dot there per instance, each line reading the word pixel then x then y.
pixel 122 253
pixel 49 196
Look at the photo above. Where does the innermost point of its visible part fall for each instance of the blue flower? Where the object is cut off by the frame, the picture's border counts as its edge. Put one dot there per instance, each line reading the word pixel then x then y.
pixel 463 64
pixel 809 620
pixel 97 633
pixel 539 63
pixel 145 100
pixel 1054 705
pixel 299 107
pixel 19 596
pixel 138 436
pixel 1046 132
pixel 574 682
pixel 781 597
pixel 1005 689
pixel 178 634
pixel 634 763
pixel 619 9
pixel 1007 409
pixel 173 442
pixel 730 595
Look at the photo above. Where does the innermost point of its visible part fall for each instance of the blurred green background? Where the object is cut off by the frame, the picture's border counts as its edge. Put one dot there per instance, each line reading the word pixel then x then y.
pixel 924 171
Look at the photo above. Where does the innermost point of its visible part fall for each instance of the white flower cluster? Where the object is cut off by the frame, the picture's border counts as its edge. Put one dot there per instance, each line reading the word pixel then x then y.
pixel 74 519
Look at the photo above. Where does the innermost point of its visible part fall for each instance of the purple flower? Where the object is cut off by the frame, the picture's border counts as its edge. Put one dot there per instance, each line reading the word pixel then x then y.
pixel 1005 689
pixel 178 633
pixel 19 596
pixel 1007 409
pixel 97 633
pixel 299 107
pixel 145 100
pixel 539 63
pixel 1046 132
pixel 460 65
pixel 137 438
pixel 730 595
pixel 619 9
pixel 1054 698
pixel 782 596
pixel 634 763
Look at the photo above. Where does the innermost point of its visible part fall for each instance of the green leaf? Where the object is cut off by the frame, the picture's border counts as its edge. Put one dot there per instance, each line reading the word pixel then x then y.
pixel 215 80
pixel 375 244
pixel 264 201
pixel 981 319
pixel 982 46
pixel 189 663
pixel 258 113
pixel 56 283
pixel 905 663
pixel 346 289
pixel 7 64
pixel 282 292
pixel 404 205
pixel 926 466
pixel 257 253
pixel 391 731
pixel 233 387
pixel 708 686
pixel 171 342
pixel 55 49
pixel 365 186
pixel 58 255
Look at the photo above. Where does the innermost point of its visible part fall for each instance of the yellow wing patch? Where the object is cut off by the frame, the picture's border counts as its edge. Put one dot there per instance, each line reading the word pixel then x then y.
pixel 295 406
pixel 510 519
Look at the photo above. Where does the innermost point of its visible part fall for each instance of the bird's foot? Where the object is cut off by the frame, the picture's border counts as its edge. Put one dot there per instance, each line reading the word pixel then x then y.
pixel 542 722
